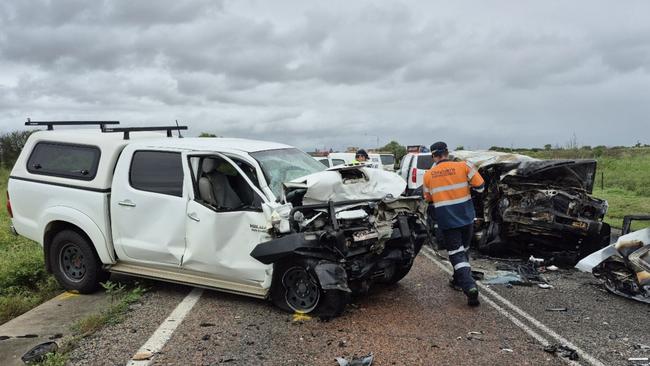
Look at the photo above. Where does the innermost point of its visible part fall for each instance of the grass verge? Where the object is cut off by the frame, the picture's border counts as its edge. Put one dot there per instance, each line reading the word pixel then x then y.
pixel 24 283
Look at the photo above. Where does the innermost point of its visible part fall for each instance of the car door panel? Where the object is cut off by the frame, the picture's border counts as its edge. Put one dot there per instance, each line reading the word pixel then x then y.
pixel 147 226
pixel 218 243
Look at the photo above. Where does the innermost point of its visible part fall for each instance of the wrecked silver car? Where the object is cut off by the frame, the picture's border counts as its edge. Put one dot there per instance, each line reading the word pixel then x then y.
pixel 343 229
pixel 624 267
pixel 542 207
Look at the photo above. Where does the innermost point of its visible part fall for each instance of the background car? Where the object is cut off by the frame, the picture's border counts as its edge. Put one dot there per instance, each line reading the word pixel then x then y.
pixel 412 169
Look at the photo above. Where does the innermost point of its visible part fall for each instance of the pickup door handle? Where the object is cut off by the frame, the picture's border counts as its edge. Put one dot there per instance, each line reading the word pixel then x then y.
pixel 127 203
pixel 193 216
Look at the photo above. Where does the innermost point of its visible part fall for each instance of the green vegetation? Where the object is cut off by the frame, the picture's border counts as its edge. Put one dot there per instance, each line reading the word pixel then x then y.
pixel 24 283
pixel 121 299
pixel 623 176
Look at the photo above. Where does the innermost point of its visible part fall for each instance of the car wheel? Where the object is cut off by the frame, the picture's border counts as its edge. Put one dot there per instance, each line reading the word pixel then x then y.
pixel 75 264
pixel 296 289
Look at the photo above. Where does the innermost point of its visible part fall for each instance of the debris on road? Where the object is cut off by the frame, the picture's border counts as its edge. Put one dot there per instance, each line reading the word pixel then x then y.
pixel 502 278
pixel 516 274
pixel 552 268
pixel 639 361
pixel 38 353
pixel 557 309
pixel 545 286
pixel 474 336
pixel 563 351
pixel 623 267
pixel 356 361
pixel 534 260
pixel 142 356
pixel 301 317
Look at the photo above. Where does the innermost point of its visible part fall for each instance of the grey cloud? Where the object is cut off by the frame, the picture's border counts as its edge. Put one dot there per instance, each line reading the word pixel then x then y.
pixel 334 74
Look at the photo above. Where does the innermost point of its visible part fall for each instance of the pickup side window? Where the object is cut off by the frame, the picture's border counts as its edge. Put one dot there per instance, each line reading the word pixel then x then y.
pixel 219 184
pixel 64 160
pixel 336 162
pixel 158 172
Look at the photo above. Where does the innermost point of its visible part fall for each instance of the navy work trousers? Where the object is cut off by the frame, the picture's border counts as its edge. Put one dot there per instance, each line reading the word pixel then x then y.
pixel 456 241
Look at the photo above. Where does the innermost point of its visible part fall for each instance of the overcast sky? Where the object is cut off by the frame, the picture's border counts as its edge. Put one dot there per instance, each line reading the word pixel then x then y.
pixel 336 73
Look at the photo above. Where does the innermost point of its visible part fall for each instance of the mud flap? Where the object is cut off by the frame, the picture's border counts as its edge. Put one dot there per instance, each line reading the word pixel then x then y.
pixel 332 276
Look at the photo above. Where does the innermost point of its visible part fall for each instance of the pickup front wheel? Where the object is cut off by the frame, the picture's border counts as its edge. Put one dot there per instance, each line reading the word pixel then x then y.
pixel 74 263
pixel 295 288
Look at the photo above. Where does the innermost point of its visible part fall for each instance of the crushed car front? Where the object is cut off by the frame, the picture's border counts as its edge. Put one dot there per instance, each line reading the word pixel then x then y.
pixel 347 225
pixel 539 206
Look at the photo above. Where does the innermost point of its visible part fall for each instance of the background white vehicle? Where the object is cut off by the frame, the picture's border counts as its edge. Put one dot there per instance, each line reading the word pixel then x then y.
pixel 329 162
pixel 412 169
pixel 387 161
pixel 214 212
pixel 374 162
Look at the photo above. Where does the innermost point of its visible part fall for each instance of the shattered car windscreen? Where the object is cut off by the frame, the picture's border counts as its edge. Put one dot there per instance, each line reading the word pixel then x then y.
pixel 284 165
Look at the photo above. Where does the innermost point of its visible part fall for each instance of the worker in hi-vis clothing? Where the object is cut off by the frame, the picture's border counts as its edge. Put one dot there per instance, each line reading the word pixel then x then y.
pixel 360 157
pixel 447 185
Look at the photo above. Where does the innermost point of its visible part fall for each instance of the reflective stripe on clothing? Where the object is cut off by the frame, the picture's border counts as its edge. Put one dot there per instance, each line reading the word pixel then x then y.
pixel 449 188
pixel 459 250
pixel 461 265
pixel 452 202
pixel 447 185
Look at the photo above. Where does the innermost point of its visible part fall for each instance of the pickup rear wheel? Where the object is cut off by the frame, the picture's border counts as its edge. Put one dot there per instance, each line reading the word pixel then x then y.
pixel 74 263
pixel 296 289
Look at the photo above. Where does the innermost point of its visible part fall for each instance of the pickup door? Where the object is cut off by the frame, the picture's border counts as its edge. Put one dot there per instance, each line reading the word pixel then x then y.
pixel 148 203
pixel 225 220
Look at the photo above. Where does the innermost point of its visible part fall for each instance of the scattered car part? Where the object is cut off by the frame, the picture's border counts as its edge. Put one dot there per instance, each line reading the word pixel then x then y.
pixel 563 351
pixel 557 309
pixel 624 267
pixel 356 361
pixel 38 353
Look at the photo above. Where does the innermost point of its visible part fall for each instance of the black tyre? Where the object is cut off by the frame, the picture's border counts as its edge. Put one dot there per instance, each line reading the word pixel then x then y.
pixel 401 270
pixel 75 264
pixel 296 289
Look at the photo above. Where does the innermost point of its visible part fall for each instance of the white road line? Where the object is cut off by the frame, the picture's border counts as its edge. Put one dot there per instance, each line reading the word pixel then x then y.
pixel 583 354
pixel 164 332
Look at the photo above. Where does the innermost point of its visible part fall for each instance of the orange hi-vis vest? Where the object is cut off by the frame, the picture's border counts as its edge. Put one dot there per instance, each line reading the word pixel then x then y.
pixel 447 184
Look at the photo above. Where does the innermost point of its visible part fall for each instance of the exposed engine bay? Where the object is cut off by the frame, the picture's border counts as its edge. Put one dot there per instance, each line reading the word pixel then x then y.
pixel 347 244
pixel 541 207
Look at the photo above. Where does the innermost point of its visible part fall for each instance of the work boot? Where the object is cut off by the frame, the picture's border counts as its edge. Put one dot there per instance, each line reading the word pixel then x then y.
pixel 472 297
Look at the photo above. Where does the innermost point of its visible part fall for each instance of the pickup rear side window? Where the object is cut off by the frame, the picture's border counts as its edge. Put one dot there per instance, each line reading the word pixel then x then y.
pixel 158 172
pixel 64 160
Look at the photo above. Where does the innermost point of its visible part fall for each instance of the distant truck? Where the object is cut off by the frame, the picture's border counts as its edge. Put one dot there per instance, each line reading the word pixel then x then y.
pixel 249 217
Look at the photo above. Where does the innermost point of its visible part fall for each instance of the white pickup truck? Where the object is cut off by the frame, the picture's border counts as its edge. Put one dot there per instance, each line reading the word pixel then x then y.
pixel 256 218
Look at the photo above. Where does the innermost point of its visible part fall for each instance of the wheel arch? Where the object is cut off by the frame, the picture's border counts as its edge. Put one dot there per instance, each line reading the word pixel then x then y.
pixel 57 219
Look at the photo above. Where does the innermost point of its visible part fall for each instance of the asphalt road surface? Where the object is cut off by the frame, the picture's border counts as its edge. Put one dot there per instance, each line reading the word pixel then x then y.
pixel 420 321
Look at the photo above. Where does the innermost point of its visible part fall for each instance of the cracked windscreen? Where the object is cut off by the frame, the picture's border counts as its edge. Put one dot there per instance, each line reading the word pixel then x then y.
pixel 284 165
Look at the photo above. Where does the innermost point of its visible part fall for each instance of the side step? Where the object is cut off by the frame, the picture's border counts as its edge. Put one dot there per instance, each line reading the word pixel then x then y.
pixel 185 277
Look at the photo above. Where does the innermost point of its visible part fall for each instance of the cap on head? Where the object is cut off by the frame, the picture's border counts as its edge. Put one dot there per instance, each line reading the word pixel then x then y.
pixel 439 148
pixel 362 152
